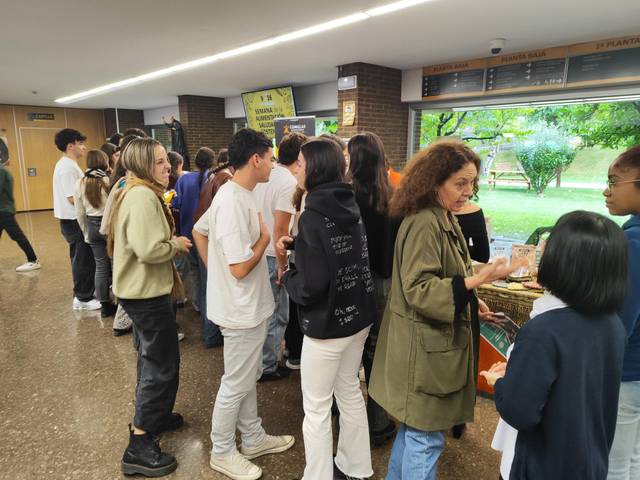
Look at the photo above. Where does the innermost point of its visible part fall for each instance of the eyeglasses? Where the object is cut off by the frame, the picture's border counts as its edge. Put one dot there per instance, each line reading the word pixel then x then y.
pixel 613 183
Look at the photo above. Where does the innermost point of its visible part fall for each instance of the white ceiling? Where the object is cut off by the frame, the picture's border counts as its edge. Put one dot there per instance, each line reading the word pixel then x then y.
pixel 60 47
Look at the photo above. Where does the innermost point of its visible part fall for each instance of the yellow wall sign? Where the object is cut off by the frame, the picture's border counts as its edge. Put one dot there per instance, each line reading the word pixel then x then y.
pixel 263 107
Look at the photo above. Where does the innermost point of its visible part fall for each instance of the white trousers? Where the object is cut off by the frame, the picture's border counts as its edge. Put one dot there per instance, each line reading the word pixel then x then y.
pixel 236 403
pixel 331 367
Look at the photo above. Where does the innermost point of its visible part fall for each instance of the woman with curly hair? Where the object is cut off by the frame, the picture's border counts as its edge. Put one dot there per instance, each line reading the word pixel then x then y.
pixel 426 356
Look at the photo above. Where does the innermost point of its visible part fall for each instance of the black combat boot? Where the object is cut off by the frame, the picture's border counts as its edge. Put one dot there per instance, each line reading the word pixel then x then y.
pixel 144 457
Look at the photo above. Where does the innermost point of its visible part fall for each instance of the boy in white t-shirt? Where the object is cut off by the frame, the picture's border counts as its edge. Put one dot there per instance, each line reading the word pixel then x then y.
pixel 65 177
pixel 275 199
pixel 231 238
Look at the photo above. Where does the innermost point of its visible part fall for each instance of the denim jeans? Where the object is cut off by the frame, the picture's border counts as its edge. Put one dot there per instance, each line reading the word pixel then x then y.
pixel 624 459
pixel 236 404
pixel 83 266
pixel 210 331
pixel 187 266
pixel 98 245
pixel 156 341
pixel 415 454
pixel 8 223
pixel 277 323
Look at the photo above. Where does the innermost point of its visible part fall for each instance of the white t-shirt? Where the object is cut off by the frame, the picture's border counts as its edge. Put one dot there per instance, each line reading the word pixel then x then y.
pixel 233 227
pixel 65 178
pixel 276 194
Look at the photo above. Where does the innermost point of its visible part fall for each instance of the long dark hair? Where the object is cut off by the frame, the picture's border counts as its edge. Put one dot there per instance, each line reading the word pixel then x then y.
pixel 325 162
pixel 204 161
pixel 368 171
pixel 94 187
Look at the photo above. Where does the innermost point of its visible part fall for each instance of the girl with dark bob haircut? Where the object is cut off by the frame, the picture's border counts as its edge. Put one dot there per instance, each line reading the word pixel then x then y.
pixel 585 263
pixel 560 390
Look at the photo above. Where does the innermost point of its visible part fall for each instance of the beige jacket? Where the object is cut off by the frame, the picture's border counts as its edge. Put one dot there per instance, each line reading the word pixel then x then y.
pixel 143 249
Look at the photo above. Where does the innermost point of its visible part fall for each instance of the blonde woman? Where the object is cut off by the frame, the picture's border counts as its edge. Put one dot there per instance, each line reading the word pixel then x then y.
pixel 143 246
pixel 90 199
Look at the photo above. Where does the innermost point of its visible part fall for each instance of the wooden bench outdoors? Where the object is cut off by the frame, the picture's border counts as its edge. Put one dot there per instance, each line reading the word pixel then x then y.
pixel 505 173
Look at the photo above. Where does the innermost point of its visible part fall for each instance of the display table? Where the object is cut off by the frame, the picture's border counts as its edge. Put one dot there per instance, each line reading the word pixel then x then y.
pixel 494 341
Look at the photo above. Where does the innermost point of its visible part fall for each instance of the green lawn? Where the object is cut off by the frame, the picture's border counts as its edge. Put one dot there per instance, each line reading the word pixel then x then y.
pixel 589 166
pixel 516 213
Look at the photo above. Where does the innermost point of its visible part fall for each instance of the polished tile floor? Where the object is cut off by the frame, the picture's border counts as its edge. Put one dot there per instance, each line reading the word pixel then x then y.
pixel 66 387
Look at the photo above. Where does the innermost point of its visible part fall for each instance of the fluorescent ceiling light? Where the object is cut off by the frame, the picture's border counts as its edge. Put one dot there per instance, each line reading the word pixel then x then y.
pixel 252 47
pixel 393 7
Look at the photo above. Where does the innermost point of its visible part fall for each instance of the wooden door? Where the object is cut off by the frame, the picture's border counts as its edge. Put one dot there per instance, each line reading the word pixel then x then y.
pixel 8 132
pixel 40 156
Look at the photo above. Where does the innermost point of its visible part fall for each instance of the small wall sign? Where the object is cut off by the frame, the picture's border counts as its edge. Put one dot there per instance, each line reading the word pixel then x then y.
pixel 39 116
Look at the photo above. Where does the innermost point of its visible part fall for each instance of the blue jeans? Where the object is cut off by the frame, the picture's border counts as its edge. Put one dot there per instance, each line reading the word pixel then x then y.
pixel 98 245
pixel 187 266
pixel 278 321
pixel 624 459
pixel 415 454
pixel 210 331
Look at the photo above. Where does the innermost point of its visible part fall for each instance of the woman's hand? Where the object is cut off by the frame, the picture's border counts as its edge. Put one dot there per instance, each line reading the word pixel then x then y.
pixel 184 244
pixel 283 244
pixel 494 271
pixel 497 371
pixel 486 315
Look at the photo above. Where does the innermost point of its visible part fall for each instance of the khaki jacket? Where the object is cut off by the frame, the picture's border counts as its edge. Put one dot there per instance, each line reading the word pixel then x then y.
pixel 143 249
pixel 423 371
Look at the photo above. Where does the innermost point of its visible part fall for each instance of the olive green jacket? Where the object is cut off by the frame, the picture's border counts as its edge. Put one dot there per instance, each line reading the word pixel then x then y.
pixel 423 371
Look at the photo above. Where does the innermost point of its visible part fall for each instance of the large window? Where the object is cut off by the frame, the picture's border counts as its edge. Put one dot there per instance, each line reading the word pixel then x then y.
pixel 538 162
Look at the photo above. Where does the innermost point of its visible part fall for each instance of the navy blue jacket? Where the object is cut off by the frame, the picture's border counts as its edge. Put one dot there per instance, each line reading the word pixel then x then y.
pixel 631 312
pixel 561 393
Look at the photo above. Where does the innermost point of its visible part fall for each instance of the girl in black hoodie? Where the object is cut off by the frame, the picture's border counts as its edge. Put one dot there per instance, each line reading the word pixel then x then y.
pixel 333 286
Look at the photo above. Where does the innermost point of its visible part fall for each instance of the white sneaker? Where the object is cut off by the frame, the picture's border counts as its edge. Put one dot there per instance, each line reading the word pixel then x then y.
pixel 180 336
pixel 235 466
pixel 271 444
pixel 28 267
pixel 92 304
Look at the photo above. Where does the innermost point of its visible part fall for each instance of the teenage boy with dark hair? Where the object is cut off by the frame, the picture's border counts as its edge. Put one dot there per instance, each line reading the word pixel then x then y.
pixel 8 213
pixel 65 177
pixel 231 238
pixel 275 199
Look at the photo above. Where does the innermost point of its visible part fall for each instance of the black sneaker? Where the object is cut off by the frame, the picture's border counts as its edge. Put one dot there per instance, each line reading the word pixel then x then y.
pixel 458 430
pixel 107 309
pixel 144 457
pixel 118 332
pixel 380 437
pixel 338 475
pixel 172 422
pixel 280 374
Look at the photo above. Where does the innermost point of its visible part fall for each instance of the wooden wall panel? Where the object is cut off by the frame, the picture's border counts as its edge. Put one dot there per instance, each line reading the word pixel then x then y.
pixel 91 124
pixel 31 145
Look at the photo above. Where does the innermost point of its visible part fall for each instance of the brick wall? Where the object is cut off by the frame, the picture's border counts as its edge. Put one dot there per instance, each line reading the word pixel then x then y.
pixel 127 118
pixel 204 122
pixel 378 107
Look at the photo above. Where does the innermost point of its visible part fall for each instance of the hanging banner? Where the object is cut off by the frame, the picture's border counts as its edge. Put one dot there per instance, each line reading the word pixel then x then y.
pixel 263 107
